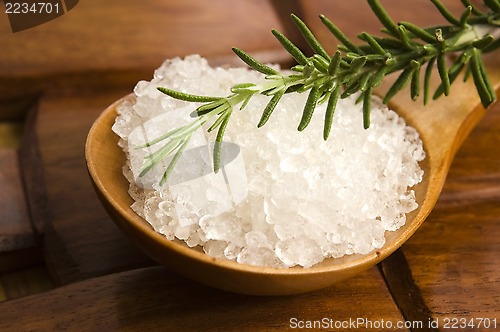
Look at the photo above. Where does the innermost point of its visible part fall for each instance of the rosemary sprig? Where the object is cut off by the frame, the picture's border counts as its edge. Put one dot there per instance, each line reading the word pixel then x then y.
pixel 353 68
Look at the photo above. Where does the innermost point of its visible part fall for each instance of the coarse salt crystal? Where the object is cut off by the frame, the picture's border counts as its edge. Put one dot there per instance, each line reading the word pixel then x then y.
pixel 283 197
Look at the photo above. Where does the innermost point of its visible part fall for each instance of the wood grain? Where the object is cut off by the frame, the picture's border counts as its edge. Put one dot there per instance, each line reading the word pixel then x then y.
pixel 454 256
pixel 155 299
pixel 19 283
pixel 15 226
pixel 80 242
pixel 94 55
pixel 126 39
pixel 354 17
pixel 406 294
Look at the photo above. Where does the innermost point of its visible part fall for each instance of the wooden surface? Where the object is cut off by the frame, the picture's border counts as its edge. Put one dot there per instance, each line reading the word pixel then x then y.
pixel 91 276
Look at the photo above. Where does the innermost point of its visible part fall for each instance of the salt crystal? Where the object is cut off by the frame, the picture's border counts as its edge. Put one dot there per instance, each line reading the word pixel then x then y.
pixel 283 197
pixel 256 239
pixel 215 248
pixel 302 251
pixel 259 257
pixel 232 251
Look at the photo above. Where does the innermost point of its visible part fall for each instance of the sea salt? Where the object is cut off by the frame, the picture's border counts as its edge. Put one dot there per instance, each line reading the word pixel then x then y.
pixel 283 198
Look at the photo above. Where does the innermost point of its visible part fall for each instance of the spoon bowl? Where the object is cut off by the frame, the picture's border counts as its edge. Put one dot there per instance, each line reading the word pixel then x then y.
pixel 443 125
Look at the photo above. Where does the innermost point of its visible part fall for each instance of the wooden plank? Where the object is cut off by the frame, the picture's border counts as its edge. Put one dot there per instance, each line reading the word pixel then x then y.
pixel 60 177
pixel 406 294
pixel 3 296
pixel 21 259
pixel 10 133
pixel 454 256
pixel 32 173
pixel 12 114
pixel 15 227
pixel 155 299
pixel 18 240
pixel 354 17
pixel 19 283
pixel 80 240
pixel 127 38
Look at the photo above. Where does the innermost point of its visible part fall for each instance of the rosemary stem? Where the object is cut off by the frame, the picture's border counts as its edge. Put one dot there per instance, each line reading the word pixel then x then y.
pixel 355 69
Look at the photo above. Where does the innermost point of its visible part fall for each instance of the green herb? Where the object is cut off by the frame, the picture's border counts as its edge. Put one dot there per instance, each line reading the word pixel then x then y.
pixel 353 68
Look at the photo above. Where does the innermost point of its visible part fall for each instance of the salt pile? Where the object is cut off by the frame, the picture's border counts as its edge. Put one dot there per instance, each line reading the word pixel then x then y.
pixel 285 198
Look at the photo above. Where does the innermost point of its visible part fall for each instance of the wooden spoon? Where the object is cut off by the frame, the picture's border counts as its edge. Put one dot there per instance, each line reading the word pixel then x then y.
pixel 443 126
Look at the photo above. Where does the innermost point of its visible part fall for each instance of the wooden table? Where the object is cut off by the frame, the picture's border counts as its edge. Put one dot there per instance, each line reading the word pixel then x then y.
pixel 65 266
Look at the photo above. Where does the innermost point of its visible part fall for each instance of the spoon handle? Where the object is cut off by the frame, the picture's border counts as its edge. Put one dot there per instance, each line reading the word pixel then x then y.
pixel 444 123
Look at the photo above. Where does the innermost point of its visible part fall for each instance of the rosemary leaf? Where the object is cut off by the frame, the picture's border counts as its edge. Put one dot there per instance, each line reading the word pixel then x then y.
pixel 427 79
pixel 493 20
pixel 379 75
pixel 364 81
pixel 367 96
pixel 376 57
pixel 352 86
pixel 357 64
pixel 483 42
pixel 443 73
pixel 254 64
pixel 214 110
pixel 174 161
pixel 445 12
pixel 274 90
pixel 419 32
pixel 175 133
pixel 320 63
pixel 160 138
pixel 324 92
pixel 399 84
pixel 187 96
pixel 294 51
pixel 154 158
pixel 218 121
pixel 359 99
pixel 211 106
pixel 415 84
pixel 453 72
pixel 403 36
pixel 373 43
pixel 334 63
pixel 493 46
pixel 475 10
pixel 244 87
pixel 330 110
pixel 270 108
pixel 245 102
pixel 309 37
pixel 383 17
pixel 484 87
pixel 467 73
pixel 218 142
pixel 293 88
pixel 309 108
pixel 306 86
pixel 493 5
pixel 465 16
pixel 391 44
pixel 340 35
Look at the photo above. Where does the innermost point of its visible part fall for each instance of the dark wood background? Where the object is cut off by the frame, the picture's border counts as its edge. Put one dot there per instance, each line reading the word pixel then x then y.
pixel 65 266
